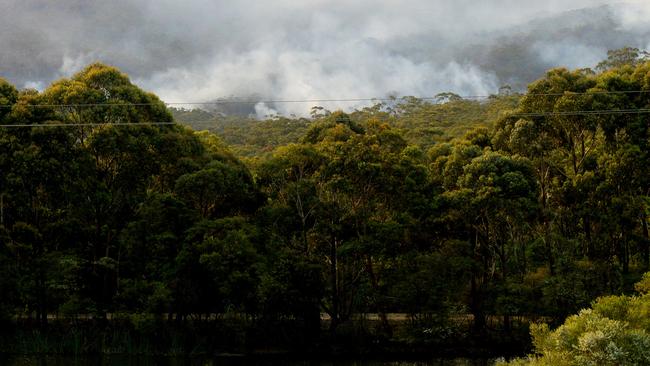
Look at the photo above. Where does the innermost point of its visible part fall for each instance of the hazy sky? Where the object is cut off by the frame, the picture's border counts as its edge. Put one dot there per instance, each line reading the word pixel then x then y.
pixel 197 50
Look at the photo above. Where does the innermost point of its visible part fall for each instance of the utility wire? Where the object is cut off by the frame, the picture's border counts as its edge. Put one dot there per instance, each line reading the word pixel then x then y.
pixel 530 114
pixel 527 114
pixel 88 124
pixel 583 113
pixel 279 101
pixel 213 121
pixel 230 101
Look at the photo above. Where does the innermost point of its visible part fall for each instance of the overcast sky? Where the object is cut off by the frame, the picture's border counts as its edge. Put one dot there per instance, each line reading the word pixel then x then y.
pixel 198 50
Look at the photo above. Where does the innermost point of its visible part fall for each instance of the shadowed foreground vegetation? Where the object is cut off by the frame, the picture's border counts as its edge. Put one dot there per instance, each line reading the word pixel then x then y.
pixel 516 207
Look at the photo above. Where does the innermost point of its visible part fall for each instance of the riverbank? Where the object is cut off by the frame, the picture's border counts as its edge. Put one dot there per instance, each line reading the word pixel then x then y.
pixel 258 338
pixel 128 360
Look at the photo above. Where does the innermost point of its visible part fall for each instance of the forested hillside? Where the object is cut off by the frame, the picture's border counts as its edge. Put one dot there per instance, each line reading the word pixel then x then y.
pixel 514 208
pixel 421 122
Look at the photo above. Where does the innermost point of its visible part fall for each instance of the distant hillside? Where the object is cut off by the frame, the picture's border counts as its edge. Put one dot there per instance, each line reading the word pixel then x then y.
pixel 246 136
pixel 575 39
pixel 520 54
pixel 422 122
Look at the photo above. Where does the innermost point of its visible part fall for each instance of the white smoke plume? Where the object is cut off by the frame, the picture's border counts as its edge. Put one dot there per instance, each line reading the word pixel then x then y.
pixel 201 50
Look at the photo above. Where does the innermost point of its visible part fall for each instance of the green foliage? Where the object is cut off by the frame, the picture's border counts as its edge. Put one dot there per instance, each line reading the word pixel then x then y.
pixel 643 286
pixel 626 56
pixel 426 124
pixel 337 126
pixel 614 332
pixel 228 253
pixel 217 190
pixel 8 97
pixel 420 123
pixel 459 213
pixel 247 137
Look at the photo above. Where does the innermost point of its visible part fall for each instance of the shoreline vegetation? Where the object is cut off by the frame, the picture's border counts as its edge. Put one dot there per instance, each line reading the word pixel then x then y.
pixel 233 337
pixel 472 218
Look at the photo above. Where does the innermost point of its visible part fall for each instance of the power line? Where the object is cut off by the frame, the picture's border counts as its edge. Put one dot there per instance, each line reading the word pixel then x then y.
pixel 529 114
pixel 583 113
pixel 230 101
pixel 51 105
pixel 213 121
pixel 88 124
pixel 595 92
pixel 335 100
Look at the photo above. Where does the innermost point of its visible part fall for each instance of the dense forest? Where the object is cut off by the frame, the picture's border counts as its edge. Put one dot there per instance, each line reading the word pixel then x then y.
pixel 466 217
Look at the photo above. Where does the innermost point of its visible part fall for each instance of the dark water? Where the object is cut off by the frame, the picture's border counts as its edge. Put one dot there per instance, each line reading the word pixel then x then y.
pixel 229 361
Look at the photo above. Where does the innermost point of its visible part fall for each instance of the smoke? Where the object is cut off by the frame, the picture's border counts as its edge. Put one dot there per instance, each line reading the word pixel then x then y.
pixel 263 111
pixel 345 70
pixel 201 50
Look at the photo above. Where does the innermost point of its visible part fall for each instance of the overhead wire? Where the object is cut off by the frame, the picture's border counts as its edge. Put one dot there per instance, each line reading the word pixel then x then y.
pixel 582 113
pixel 87 124
pixel 213 121
pixel 333 100
pixel 530 114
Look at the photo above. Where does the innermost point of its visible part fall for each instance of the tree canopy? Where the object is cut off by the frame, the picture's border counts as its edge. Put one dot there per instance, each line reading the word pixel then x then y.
pixel 522 206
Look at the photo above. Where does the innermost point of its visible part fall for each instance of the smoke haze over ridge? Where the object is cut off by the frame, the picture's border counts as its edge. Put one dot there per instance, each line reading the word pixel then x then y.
pixel 200 50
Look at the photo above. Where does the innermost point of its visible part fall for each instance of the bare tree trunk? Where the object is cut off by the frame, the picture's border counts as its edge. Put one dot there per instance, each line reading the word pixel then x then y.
pixel 41 316
pixel 646 243
pixel 590 244
pixel 476 301
pixel 336 306
pixel 381 309
pixel 476 307
pixel 626 255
